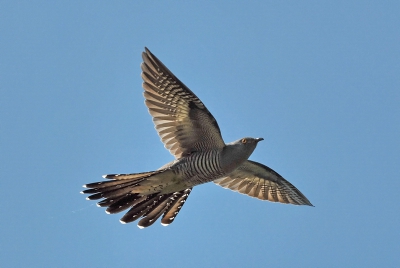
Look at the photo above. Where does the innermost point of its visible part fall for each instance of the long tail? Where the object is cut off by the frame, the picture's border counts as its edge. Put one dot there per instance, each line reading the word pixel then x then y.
pixel 141 194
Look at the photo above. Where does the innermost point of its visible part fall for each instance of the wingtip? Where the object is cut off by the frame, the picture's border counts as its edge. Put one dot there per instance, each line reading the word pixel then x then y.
pixel 140 227
pixel 121 221
pixel 307 202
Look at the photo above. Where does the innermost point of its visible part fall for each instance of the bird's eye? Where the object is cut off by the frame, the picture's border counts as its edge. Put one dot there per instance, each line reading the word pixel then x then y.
pixel 244 141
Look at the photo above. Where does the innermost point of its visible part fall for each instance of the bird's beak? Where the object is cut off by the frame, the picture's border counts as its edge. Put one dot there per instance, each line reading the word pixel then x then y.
pixel 259 139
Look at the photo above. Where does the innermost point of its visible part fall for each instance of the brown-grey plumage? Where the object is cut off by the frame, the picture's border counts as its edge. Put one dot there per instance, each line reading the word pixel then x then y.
pixel 259 181
pixel 181 119
pixel 190 132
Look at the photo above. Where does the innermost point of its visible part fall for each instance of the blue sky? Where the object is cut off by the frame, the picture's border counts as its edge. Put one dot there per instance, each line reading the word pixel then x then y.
pixel 318 80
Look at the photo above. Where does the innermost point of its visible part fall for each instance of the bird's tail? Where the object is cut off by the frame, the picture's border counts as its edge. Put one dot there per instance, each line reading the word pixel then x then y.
pixel 141 192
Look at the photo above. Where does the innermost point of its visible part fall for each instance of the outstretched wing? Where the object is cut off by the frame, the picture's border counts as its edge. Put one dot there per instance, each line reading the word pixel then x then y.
pixel 257 180
pixel 180 118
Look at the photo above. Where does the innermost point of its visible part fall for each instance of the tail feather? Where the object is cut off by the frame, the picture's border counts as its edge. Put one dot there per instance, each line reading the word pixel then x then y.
pixel 169 207
pixel 123 203
pixel 115 184
pixel 139 210
pixel 144 183
pixel 174 208
pixel 141 193
pixel 151 217
pixel 108 202
pixel 112 193
pixel 132 176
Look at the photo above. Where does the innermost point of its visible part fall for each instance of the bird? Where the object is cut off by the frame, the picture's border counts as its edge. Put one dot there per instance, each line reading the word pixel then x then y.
pixel 192 135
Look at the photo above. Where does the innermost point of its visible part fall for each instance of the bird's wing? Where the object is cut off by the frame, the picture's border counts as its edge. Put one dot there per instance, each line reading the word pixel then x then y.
pixel 257 180
pixel 182 121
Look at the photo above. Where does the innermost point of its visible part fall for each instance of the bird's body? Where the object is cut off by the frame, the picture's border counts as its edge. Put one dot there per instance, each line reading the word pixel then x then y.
pixel 193 168
pixel 192 135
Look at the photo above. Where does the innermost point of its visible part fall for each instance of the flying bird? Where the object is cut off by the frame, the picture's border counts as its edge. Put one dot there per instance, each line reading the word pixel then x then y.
pixel 192 135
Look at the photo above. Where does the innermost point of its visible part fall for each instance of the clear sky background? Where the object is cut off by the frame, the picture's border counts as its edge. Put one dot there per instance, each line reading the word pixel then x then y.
pixel 318 80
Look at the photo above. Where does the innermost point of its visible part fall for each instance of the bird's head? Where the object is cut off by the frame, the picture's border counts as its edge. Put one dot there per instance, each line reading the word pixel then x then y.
pixel 246 143
pixel 235 153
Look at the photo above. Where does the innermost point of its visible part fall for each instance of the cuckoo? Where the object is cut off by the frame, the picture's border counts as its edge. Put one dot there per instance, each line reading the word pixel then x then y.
pixel 192 135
